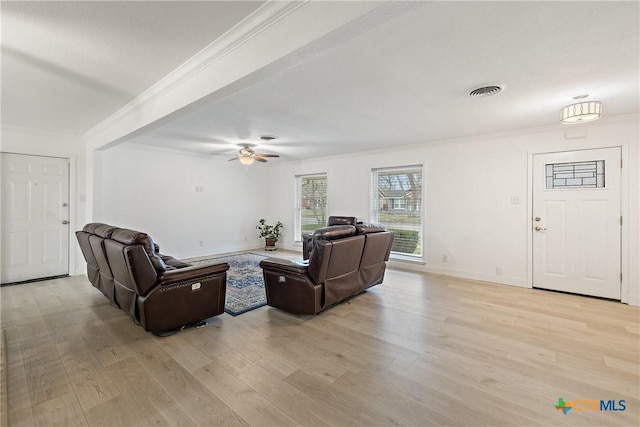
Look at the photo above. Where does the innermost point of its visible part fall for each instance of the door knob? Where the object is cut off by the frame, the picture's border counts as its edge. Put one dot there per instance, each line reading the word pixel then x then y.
pixel 538 228
pixel 537 218
pixel 65 222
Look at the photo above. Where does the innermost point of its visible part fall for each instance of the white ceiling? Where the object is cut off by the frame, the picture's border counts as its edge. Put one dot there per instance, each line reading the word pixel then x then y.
pixel 395 81
pixel 66 66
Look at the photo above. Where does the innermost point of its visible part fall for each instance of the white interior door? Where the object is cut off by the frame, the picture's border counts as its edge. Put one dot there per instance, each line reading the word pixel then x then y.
pixel 35 214
pixel 576 222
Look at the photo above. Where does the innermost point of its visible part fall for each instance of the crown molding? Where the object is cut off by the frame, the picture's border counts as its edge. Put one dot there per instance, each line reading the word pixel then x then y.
pixel 9 128
pixel 277 36
pixel 250 27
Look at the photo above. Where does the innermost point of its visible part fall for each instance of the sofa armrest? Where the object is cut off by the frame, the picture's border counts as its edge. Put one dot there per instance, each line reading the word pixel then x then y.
pixel 173 262
pixel 184 296
pixel 285 265
pixel 191 273
pixel 289 287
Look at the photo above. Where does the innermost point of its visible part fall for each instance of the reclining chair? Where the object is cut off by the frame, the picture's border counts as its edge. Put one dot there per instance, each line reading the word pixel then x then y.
pixel 332 221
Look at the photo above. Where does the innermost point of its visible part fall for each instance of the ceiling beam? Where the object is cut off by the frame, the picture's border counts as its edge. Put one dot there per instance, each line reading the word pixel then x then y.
pixel 231 63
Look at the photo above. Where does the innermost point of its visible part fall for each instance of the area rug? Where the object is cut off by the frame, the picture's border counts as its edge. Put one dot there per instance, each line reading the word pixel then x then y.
pixel 245 285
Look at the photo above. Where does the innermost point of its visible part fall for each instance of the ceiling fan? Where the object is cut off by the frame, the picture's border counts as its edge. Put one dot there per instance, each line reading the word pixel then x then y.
pixel 247 156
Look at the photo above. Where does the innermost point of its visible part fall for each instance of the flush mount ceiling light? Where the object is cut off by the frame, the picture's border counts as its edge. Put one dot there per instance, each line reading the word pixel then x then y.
pixel 581 112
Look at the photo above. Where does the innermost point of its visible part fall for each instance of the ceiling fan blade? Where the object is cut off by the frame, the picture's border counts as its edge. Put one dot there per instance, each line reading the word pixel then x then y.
pixel 260 159
pixel 235 158
pixel 267 155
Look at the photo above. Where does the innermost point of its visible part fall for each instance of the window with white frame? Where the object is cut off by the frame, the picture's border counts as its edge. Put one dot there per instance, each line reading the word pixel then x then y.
pixel 396 202
pixel 311 203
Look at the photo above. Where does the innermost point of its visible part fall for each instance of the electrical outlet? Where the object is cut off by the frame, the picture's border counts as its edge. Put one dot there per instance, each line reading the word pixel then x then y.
pixel 445 258
pixel 515 200
pixel 201 243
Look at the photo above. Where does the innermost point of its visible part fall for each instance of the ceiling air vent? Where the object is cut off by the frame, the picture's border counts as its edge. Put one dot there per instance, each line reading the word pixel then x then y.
pixel 486 91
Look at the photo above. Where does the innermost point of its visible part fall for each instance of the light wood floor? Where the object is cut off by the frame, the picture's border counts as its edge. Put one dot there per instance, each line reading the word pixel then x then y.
pixel 417 350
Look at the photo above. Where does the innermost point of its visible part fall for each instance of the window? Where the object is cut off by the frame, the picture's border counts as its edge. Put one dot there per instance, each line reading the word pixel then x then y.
pixel 575 175
pixel 396 202
pixel 311 203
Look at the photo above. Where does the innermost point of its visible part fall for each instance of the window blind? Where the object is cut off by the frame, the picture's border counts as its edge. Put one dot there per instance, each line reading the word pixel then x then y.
pixel 311 203
pixel 396 202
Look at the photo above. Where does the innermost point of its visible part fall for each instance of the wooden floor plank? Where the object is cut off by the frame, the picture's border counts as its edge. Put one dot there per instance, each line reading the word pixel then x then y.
pixel 417 350
pixel 357 408
pixel 303 408
pixel 244 400
pixel 154 406
pixel 63 411
pixel 88 377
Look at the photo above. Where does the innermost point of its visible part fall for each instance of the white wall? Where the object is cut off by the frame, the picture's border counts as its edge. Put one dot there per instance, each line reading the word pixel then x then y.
pixel 468 185
pixel 157 191
pixel 21 141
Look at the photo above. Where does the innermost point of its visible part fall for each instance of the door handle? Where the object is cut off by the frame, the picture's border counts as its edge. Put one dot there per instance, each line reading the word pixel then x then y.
pixel 538 228
pixel 65 222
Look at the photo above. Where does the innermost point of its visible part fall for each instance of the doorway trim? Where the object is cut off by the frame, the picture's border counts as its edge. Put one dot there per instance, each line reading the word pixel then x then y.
pixel 624 211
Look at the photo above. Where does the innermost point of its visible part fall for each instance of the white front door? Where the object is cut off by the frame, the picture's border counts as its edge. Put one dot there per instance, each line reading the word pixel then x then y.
pixel 576 222
pixel 35 214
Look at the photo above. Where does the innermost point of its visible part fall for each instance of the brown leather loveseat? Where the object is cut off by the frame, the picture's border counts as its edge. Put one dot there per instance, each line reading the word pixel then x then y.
pixel 344 261
pixel 159 292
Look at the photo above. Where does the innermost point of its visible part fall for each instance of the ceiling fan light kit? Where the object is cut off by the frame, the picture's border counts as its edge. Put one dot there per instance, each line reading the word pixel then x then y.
pixel 247 156
pixel 246 160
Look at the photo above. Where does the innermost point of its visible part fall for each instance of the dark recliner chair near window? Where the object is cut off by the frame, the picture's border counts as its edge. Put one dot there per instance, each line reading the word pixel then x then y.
pixel 159 292
pixel 332 221
pixel 344 261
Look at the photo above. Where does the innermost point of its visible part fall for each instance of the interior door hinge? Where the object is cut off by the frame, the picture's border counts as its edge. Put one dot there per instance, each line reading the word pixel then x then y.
pixel 620 277
pixel 620 163
pixel 620 219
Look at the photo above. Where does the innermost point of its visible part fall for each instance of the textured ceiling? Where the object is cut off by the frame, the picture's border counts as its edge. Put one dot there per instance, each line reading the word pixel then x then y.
pixel 402 80
pixel 66 66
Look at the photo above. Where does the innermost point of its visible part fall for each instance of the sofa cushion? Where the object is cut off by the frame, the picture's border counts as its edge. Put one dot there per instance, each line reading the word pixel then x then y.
pixel 342 220
pixel 368 227
pixel 132 237
pixel 105 231
pixel 91 227
pixel 334 232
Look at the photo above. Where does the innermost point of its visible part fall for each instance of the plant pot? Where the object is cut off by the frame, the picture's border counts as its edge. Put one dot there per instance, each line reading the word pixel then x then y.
pixel 269 244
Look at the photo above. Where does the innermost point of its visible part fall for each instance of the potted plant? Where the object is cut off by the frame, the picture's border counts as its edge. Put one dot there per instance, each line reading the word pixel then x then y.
pixel 271 233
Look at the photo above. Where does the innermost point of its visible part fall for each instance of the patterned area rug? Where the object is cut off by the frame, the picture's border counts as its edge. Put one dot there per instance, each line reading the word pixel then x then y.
pixel 245 285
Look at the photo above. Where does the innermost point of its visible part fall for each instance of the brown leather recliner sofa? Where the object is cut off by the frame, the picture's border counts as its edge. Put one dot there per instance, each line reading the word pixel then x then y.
pixel 159 292
pixel 344 261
